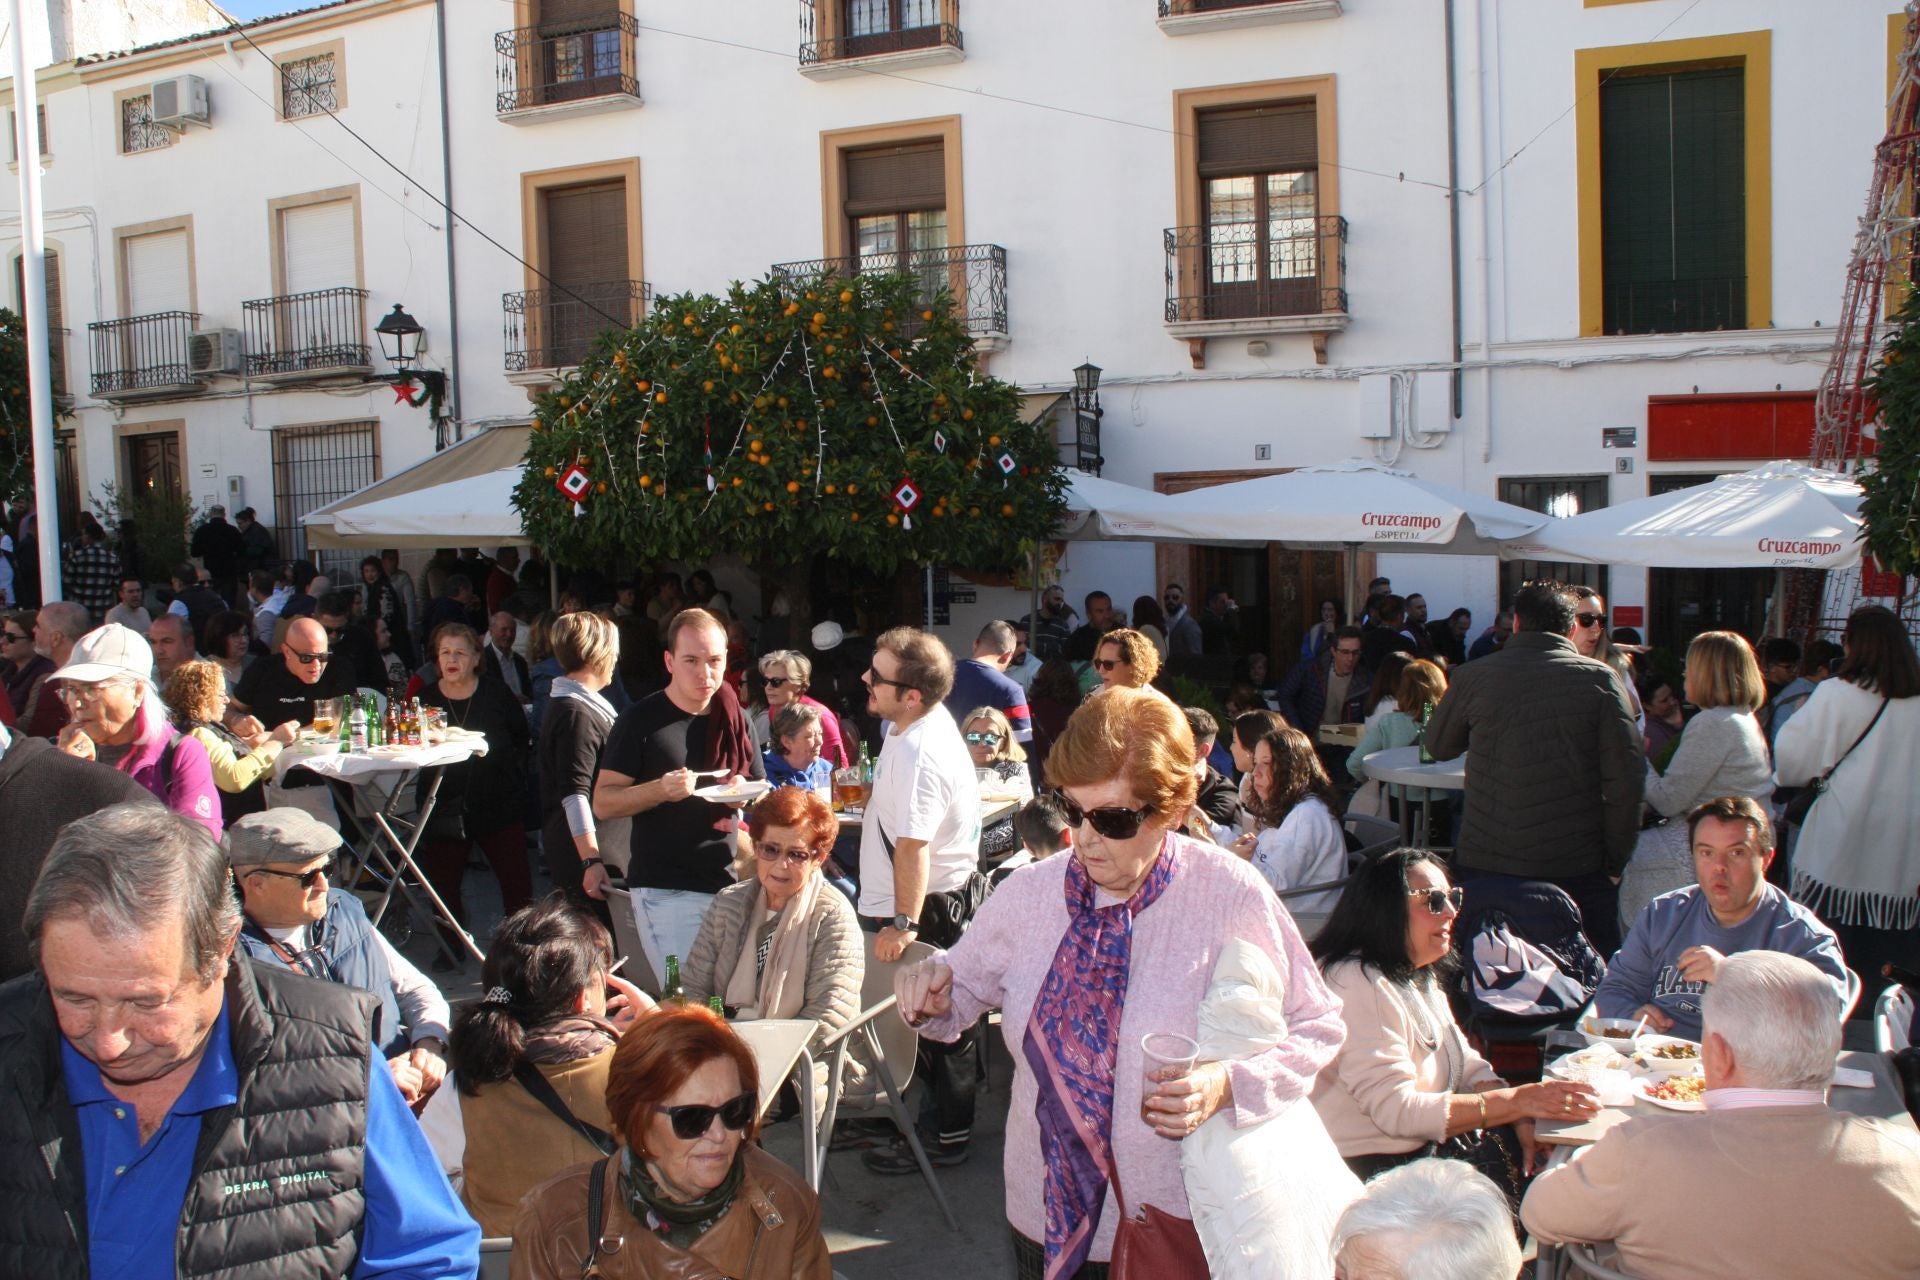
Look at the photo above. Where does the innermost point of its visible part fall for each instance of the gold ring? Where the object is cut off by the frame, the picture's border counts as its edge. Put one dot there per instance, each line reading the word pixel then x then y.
pixel 1566 1104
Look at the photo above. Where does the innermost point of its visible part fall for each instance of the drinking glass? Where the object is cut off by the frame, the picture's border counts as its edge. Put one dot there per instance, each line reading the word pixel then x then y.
pixel 326 716
pixel 1161 1049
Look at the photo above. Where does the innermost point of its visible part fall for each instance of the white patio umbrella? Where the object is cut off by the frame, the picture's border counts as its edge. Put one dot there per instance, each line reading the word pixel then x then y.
pixel 461 495
pixel 1107 511
pixel 1783 515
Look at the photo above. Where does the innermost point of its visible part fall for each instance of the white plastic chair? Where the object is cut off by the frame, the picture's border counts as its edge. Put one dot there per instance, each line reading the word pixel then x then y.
pixel 1892 1019
pixel 626 941
pixel 495 1254
pixel 1854 988
pixel 891 1049
pixel 1586 1261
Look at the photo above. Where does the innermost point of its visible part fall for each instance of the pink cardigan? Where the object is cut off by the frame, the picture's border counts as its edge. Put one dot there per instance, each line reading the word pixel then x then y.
pixel 1214 898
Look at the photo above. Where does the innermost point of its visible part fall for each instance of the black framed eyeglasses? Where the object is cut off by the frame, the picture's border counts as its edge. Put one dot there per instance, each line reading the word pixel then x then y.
pixel 322 658
pixel 983 739
pixel 771 852
pixel 1115 822
pixel 329 870
pixel 1438 900
pixel 874 677
pixel 689 1122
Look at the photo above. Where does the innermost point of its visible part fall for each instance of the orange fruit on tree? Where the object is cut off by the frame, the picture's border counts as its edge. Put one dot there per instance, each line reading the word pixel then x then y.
pixel 926 315
pixel 766 506
pixel 737 482
pixel 846 295
pixel 707 385
pixel 819 317
pixel 1006 508
pixel 646 482
pixel 993 442
pixel 852 489
pixel 831 489
pixel 892 519
pixel 793 486
pixel 854 516
pixel 550 471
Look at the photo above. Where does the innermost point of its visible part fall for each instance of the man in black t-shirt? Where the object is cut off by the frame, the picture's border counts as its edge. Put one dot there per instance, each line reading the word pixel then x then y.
pixel 683 846
pixel 283 687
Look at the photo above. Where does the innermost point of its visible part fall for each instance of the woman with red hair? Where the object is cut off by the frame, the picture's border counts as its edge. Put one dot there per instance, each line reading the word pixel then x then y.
pixel 783 943
pixel 687 1193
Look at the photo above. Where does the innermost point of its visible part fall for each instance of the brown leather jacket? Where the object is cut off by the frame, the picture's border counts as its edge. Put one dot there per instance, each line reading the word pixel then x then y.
pixel 771 1233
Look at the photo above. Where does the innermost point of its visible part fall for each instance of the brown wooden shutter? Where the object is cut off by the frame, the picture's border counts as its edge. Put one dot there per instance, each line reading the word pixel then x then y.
pixel 55 318
pixel 587 234
pixel 1267 139
pixel 896 179
pixel 578 15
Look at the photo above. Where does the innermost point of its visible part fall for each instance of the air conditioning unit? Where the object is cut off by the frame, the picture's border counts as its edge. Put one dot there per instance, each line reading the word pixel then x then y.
pixel 180 101
pixel 211 351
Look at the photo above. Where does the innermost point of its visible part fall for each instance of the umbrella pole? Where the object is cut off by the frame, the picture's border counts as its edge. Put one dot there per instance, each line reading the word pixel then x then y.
pixel 1353 568
pixel 1033 596
pixel 553 586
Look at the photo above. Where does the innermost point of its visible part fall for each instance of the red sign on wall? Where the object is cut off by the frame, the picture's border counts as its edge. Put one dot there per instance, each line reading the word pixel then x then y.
pixel 1629 615
pixel 1877 582
pixel 1716 428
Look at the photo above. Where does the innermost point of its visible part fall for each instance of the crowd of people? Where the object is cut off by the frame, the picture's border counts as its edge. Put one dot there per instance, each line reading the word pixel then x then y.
pixel 217 1062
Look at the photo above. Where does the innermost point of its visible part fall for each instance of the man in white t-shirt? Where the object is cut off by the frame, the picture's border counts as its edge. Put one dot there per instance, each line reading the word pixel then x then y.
pixel 920 859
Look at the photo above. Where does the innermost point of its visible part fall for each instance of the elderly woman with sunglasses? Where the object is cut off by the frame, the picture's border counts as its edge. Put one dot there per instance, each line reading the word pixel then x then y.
pixel 1002 766
pixel 23 668
pixel 783 943
pixel 687 1193
pixel 1087 954
pixel 1407 1084
pixel 119 720
pixel 785 676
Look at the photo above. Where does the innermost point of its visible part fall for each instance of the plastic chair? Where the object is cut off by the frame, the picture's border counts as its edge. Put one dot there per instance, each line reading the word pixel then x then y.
pixel 891 1049
pixel 626 941
pixel 1854 988
pixel 1586 1261
pixel 1892 1019
pixel 495 1254
pixel 1376 835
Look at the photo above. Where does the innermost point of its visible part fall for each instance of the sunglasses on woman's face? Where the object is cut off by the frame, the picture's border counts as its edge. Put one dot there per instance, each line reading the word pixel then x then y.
pixel 12 637
pixel 690 1122
pixel 1589 619
pixel 1438 900
pixel 1105 664
pixel 771 852
pixel 983 739
pixel 1114 822
pixel 776 682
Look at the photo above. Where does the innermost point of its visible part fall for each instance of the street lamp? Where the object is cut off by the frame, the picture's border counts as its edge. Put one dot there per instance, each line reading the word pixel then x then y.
pixel 1087 415
pixel 399 338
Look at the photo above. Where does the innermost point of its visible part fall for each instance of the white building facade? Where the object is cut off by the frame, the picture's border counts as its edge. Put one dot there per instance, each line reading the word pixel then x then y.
pixel 1467 237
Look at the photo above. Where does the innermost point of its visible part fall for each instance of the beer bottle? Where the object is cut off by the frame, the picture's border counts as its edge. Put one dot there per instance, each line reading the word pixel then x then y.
pixel 357 728
pixel 671 992
pixel 1420 736
pixel 418 737
pixel 718 1006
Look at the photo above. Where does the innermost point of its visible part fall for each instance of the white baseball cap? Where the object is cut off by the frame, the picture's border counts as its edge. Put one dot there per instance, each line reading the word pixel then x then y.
pixel 827 635
pixel 106 652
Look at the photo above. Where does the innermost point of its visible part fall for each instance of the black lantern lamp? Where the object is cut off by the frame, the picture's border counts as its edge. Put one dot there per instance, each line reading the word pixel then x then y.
pixel 400 336
pixel 1087 415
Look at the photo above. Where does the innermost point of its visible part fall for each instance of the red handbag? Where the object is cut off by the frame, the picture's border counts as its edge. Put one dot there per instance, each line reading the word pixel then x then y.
pixel 1154 1246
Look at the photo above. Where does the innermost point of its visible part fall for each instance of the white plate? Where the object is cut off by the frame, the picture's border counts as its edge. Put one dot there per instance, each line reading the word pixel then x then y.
pixel 749 789
pixel 1660 1068
pixel 1641 1087
pixel 1580 1066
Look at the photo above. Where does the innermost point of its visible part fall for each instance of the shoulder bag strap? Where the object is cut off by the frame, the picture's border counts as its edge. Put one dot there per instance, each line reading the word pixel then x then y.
pixel 596 1208
pixel 536 1084
pixel 1820 783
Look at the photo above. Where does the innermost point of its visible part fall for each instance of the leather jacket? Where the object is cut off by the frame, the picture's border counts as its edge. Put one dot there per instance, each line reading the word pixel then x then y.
pixel 772 1232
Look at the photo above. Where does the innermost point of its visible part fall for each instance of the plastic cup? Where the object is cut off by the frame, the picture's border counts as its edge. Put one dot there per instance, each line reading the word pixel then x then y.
pixel 1161 1049
pixel 1614 1087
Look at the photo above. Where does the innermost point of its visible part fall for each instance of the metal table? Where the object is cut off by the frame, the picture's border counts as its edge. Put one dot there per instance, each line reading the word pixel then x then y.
pixel 1400 766
pixel 779 1045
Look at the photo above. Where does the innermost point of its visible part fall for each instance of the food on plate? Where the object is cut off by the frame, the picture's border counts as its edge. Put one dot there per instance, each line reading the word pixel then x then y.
pixel 1676 1052
pixel 1679 1089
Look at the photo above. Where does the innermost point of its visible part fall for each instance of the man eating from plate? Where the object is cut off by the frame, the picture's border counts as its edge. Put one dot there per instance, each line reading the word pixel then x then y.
pixel 1770 1181
pixel 689 736
pixel 1676 948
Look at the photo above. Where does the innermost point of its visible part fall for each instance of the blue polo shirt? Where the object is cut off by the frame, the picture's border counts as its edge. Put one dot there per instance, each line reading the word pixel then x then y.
pixel 414 1225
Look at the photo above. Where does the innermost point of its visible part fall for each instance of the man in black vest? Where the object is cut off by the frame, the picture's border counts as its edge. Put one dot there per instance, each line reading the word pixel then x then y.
pixel 169 1108
pixel 282 861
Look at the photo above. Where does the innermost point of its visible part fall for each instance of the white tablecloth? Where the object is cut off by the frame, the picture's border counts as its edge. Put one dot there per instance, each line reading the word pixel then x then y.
pixel 359 768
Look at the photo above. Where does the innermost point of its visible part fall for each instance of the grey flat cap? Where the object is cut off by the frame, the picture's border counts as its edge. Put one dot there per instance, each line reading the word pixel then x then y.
pixel 279 835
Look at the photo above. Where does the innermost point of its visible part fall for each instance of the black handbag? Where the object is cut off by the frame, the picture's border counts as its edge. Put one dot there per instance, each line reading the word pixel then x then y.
pixel 1802 802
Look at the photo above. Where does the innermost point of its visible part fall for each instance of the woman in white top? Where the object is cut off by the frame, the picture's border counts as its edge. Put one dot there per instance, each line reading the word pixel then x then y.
pixel 1722 752
pixel 1300 841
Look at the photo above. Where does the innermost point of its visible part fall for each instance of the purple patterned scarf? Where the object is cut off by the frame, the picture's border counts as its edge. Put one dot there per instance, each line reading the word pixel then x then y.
pixel 1072 1043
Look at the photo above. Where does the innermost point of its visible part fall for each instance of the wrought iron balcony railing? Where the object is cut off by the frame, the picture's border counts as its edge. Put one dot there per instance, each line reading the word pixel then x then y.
pixel 142 353
pixel 1249 270
pixel 974 274
pixel 1675 306
pixel 307 334
pixel 1177 8
pixel 565 62
pixel 837 30
pixel 555 328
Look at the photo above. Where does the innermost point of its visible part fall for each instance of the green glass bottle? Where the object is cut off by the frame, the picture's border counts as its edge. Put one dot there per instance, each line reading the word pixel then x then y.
pixel 1426 714
pixel 718 1006
pixel 670 989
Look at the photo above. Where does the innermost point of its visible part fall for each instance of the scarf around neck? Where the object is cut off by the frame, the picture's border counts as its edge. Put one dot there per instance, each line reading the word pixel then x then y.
pixel 569 1038
pixel 676 1223
pixel 567 687
pixel 1072 1044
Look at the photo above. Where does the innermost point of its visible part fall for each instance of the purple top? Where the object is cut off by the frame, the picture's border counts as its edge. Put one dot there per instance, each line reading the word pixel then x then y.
pixel 188 788
pixel 1214 898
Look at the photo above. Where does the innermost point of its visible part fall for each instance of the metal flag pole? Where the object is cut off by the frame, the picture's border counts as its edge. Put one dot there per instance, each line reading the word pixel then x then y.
pixel 33 300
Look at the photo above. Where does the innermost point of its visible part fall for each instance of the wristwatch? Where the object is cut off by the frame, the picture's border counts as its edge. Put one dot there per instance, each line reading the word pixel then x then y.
pixel 590 862
pixel 906 924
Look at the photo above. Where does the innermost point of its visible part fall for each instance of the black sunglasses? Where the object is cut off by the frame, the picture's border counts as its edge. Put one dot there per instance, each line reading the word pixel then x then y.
pixel 983 739
pixel 690 1122
pixel 13 637
pixel 1589 619
pixel 322 658
pixel 1114 822
pixel 775 682
pixel 1105 664
pixel 330 869
pixel 1438 900
pixel 771 852
pixel 874 677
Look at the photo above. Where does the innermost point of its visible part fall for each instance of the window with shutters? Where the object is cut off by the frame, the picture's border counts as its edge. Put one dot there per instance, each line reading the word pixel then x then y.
pixel 13 133
pixel 1263 246
pixel 145 352
pixel 315 323
pixel 567 51
pixel 583 235
pixel 312 83
pixel 1674 165
pixel 902 31
pixel 138 132
pixel 56 315
pixel 1184 17
pixel 896 210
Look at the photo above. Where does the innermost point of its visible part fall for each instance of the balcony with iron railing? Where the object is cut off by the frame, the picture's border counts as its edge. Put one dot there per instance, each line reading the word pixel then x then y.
pixel 575 68
pixel 143 356
pixel 975 275
pixel 298 336
pixel 1184 17
pixel 1251 279
pixel 841 38
pixel 548 330
pixel 1674 306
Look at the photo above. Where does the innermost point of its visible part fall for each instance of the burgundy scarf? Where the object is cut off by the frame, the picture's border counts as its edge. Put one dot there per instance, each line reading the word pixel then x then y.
pixel 729 736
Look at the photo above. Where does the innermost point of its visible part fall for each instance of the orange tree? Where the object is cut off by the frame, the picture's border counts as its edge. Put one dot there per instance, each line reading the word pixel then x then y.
pixel 844 417
pixel 16 420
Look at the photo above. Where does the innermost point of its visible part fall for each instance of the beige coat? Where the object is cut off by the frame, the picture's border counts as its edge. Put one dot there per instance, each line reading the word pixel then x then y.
pixel 1387 1091
pixel 1771 1191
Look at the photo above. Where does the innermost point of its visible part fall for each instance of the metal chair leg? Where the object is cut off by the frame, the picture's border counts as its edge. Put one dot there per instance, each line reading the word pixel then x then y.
pixel 907 1127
